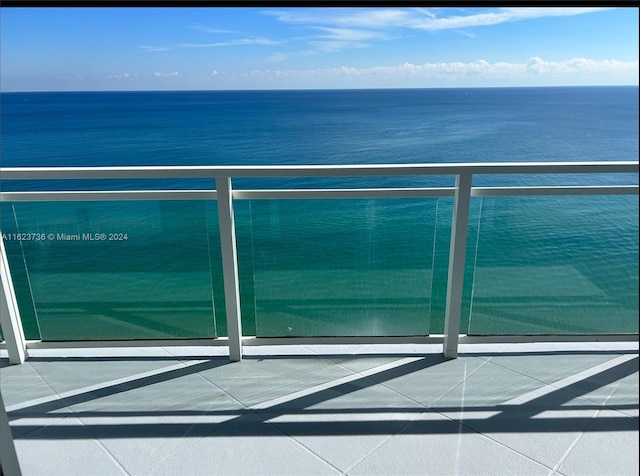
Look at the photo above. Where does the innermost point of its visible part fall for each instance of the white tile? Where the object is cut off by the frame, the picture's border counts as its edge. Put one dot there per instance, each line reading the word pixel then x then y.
pixel 340 409
pixel 20 382
pixel 349 424
pixel 543 436
pixel 604 453
pixel 254 381
pixel 54 452
pixel 434 445
pixel 246 447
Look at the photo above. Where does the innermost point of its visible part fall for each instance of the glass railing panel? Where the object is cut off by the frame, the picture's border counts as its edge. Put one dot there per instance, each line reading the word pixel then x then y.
pixel 556 265
pixel 244 241
pixel 116 270
pixel 351 267
pixel 15 257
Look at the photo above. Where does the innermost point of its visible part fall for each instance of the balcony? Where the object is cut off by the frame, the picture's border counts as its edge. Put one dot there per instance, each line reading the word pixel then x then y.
pixel 217 338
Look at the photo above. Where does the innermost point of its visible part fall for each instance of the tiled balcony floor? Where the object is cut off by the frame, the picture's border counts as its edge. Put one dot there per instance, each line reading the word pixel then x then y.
pixel 525 409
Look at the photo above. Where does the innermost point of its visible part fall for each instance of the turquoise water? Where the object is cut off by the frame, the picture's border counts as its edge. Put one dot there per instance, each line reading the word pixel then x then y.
pixel 322 267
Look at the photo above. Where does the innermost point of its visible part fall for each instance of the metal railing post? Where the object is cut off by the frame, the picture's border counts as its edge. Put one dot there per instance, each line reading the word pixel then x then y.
pixel 10 315
pixel 229 266
pixel 457 251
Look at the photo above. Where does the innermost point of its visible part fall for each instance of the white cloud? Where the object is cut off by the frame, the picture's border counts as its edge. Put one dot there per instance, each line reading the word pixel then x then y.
pixel 580 65
pixel 573 71
pixel 356 18
pixel 421 18
pixel 173 74
pixel 534 71
pixel 502 15
pixel 538 12
pixel 375 18
pixel 123 76
pixel 352 26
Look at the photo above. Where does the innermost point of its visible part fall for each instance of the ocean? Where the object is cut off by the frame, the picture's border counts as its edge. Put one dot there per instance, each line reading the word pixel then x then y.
pixel 535 265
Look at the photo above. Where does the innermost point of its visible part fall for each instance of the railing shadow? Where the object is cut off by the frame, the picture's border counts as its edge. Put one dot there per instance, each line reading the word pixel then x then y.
pixel 507 418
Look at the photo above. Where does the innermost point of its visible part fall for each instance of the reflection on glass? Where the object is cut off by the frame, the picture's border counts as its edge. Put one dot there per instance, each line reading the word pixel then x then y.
pixel 340 267
pixel 116 270
pixel 548 265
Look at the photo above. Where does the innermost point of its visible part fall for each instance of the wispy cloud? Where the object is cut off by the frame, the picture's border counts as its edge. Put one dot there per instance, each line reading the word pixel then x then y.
pixel 331 32
pixel 343 17
pixel 502 15
pixel 359 28
pixel 152 49
pixel 349 34
pixel 207 29
pixel 422 18
pixel 282 56
pixel 336 45
pixel 277 57
pixel 238 42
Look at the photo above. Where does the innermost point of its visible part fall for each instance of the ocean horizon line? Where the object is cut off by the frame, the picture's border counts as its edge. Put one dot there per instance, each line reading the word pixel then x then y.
pixel 326 89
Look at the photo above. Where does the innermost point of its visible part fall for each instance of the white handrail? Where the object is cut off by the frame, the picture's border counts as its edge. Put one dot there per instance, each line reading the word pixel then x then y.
pixel 240 171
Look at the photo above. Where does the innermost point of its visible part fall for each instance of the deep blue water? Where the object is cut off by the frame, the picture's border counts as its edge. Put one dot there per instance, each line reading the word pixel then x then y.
pixel 320 127
pixel 324 267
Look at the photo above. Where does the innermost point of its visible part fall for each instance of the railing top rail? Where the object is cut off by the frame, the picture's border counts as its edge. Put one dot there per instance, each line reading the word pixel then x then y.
pixel 206 171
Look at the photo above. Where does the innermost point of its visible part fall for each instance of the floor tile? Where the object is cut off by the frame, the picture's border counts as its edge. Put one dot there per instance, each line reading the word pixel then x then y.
pixel 254 381
pixel 549 368
pixel 328 410
pixel 461 382
pixel 435 445
pixel 604 453
pixel 359 364
pixel 615 385
pixel 64 450
pixel 544 428
pixel 25 421
pixel 73 373
pixel 20 381
pixel 345 423
pixel 247 446
pixel 143 424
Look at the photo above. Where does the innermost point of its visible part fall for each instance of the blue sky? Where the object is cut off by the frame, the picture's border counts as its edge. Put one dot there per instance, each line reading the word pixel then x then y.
pixel 159 48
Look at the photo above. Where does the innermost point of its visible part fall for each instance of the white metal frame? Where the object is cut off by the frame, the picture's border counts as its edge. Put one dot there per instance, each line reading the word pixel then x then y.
pixel 225 195
pixel 457 252
pixel 230 266
pixel 10 314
